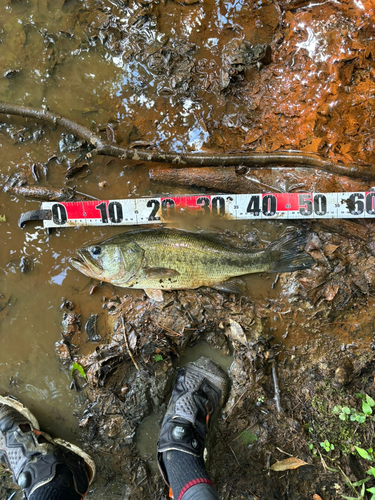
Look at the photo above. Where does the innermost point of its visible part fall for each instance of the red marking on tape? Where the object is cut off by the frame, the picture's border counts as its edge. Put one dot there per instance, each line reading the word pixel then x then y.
pixel 83 209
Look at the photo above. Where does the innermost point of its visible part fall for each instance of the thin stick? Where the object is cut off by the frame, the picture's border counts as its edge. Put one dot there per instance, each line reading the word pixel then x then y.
pixel 127 343
pixel 253 159
pixel 168 329
pixel 277 390
pixel 282 451
pixel 231 449
pixel 235 404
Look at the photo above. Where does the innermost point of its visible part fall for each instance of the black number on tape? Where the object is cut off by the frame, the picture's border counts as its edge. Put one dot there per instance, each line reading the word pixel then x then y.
pixel 305 204
pixel 218 206
pixel 168 207
pixel 320 204
pixel 205 203
pixel 269 204
pixel 370 203
pixel 253 206
pixel 59 215
pixel 103 212
pixel 155 210
pixel 115 212
pixel 356 199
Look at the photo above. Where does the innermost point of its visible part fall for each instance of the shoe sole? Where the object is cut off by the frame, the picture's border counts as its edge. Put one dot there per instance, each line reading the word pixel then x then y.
pixel 18 406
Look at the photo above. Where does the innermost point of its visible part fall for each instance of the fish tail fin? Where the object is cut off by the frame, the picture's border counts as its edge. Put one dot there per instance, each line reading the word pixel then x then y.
pixel 288 253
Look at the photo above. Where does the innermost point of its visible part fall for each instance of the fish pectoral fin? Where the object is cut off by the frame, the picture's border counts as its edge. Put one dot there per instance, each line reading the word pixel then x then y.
pixel 160 272
pixel 234 285
pixel 156 295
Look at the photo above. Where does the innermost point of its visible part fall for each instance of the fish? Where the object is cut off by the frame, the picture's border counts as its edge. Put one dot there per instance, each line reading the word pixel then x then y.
pixel 175 259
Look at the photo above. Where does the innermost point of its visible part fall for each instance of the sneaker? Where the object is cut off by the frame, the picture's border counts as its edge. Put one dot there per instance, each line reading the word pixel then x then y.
pixel 198 395
pixel 32 455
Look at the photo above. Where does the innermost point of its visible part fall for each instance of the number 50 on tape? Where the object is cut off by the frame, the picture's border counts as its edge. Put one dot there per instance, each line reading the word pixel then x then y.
pixel 231 206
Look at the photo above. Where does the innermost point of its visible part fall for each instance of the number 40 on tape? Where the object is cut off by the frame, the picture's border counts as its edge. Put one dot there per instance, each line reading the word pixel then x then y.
pixel 153 210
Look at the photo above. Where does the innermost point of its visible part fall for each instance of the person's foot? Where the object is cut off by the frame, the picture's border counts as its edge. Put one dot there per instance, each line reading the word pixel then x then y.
pixel 33 456
pixel 198 394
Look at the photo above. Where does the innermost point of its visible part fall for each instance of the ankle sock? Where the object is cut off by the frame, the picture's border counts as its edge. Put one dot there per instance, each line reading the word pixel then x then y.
pixel 185 472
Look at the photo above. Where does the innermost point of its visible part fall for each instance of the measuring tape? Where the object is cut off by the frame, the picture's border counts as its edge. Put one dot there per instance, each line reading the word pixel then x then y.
pixel 139 211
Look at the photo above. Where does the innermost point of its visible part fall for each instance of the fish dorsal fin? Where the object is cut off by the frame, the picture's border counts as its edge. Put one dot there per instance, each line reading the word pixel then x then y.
pixel 132 256
pixel 160 272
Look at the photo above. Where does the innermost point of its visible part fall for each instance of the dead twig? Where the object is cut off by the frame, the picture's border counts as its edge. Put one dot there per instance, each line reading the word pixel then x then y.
pixel 235 404
pixel 277 390
pixel 253 159
pixel 127 343
pixel 167 329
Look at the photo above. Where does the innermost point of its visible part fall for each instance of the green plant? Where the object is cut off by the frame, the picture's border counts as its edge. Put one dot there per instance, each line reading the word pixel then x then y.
pixel 158 357
pixel 367 455
pixel 77 366
pixel 345 413
pixel 327 445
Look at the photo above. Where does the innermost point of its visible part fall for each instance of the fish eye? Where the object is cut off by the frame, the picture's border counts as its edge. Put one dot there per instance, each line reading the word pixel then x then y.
pixel 96 250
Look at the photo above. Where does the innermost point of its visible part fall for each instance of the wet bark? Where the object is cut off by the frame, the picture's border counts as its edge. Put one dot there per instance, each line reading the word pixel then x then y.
pixel 253 159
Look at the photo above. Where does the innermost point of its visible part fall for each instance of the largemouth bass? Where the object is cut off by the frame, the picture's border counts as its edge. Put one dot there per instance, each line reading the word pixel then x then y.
pixel 172 259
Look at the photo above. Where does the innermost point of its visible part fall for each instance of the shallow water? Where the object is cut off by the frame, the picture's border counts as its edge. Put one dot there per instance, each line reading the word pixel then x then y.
pixel 57 59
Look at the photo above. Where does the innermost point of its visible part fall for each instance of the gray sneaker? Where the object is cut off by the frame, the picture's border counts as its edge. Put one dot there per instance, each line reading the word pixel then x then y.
pixel 198 395
pixel 32 455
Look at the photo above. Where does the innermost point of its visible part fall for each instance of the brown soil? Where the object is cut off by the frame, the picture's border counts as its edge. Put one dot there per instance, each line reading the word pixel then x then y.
pixel 188 76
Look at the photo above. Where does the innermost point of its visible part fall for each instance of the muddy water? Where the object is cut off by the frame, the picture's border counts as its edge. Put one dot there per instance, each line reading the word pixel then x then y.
pixel 89 64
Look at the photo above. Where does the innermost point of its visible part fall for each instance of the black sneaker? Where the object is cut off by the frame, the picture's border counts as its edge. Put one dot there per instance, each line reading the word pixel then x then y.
pixel 198 394
pixel 32 456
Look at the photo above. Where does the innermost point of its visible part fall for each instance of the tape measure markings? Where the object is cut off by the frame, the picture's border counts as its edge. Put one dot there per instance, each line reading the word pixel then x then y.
pixel 259 206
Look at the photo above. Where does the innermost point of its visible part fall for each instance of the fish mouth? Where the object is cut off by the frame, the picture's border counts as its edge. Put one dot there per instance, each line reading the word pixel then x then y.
pixel 85 264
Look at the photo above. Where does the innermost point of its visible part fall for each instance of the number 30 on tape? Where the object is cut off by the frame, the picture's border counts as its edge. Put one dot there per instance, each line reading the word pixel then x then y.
pixel 232 206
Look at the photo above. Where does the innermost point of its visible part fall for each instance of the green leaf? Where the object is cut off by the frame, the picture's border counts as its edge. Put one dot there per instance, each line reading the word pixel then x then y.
pixel 369 400
pixel 77 366
pixel 360 395
pixel 346 410
pixel 361 418
pixel 343 417
pixel 371 471
pixel 362 481
pixel 371 490
pixel 248 437
pixel 351 498
pixel 363 453
pixel 366 408
pixel 336 409
pixel 158 357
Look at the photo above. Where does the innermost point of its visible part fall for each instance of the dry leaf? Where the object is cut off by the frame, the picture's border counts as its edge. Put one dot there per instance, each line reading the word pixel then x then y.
pixel 329 248
pixel 317 497
pixel 331 291
pixel 235 332
pixel 288 463
pixel 253 135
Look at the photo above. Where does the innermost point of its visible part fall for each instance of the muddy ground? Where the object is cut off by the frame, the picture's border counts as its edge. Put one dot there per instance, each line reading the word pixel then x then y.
pixel 192 76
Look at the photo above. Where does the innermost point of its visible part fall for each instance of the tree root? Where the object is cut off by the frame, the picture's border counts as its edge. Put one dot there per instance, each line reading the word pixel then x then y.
pixel 253 159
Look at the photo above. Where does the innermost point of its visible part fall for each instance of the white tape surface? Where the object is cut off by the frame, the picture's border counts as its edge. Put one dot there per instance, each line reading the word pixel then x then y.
pixel 299 206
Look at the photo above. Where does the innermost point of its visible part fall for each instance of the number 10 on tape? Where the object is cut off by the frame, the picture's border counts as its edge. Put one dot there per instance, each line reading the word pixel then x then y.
pixel 231 206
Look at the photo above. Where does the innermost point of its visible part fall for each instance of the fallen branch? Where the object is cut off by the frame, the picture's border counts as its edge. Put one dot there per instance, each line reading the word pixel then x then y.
pixel 277 390
pixel 255 160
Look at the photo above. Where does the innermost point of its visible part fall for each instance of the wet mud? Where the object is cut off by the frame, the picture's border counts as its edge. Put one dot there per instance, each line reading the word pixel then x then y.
pixel 207 77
